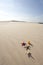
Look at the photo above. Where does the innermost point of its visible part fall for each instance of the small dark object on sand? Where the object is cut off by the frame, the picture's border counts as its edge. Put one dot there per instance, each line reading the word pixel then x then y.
pixel 29 55
pixel 27 47
pixel 23 44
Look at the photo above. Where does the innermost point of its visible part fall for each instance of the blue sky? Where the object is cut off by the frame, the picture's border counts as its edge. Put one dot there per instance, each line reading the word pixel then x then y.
pixel 28 10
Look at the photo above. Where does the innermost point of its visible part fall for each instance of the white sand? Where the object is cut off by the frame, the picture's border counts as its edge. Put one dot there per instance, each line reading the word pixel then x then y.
pixel 11 51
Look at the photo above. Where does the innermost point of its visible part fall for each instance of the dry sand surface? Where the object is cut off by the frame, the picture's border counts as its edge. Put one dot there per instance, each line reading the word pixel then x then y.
pixel 11 36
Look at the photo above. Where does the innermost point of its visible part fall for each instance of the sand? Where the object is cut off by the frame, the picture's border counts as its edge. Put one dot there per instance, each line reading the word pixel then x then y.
pixel 11 36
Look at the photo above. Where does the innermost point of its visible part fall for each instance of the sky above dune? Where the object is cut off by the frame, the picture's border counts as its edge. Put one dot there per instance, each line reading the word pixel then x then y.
pixel 27 10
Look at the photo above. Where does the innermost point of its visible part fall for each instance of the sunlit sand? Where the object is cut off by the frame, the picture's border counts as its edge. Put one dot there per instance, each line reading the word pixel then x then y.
pixel 11 36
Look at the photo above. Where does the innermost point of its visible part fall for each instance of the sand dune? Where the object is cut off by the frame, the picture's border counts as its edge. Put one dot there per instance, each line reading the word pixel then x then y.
pixel 11 51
